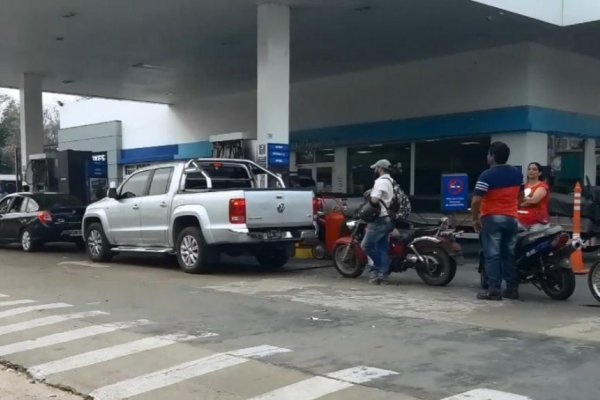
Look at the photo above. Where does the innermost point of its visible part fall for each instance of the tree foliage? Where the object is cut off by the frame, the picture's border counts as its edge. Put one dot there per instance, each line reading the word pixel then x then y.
pixel 10 131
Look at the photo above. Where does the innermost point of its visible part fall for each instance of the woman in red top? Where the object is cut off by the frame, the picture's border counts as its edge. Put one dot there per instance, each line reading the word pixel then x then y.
pixel 533 212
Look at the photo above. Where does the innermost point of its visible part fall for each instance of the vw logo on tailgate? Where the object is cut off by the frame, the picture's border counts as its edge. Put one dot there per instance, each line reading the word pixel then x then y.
pixel 280 208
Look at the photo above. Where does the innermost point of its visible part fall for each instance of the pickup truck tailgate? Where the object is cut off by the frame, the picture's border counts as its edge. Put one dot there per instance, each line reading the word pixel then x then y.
pixel 278 209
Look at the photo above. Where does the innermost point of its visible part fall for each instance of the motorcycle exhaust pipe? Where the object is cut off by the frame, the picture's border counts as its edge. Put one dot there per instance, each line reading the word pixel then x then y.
pixel 414 250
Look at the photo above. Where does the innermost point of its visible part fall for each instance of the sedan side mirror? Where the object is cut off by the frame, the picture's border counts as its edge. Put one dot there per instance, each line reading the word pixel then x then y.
pixel 112 193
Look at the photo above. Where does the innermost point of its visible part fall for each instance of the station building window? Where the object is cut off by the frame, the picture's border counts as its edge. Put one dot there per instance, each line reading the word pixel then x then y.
pixel 437 157
pixel 319 165
pixel 131 168
pixel 360 159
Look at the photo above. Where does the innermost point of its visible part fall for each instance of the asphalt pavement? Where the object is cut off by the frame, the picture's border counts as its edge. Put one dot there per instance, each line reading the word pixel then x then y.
pixel 139 328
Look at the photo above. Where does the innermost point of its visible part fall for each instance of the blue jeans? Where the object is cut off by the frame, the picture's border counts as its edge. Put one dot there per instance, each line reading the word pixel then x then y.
pixel 376 244
pixel 498 240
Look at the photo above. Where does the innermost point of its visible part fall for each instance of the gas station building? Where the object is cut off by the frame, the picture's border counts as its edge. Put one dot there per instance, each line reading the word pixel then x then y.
pixel 339 84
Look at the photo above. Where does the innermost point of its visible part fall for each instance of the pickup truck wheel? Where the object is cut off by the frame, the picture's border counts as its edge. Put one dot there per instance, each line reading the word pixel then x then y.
pixel 97 246
pixel 273 258
pixel 192 252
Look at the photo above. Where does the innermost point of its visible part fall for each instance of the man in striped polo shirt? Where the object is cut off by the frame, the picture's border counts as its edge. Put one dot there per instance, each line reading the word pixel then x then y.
pixel 498 193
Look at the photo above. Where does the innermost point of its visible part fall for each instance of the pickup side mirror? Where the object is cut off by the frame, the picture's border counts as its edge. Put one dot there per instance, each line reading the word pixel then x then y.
pixel 112 193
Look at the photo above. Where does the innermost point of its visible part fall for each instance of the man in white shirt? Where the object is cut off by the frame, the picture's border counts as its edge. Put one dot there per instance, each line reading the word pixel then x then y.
pixel 377 240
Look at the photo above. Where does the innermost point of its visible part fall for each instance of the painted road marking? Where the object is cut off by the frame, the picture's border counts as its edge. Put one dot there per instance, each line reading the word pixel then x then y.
pixel 40 307
pixel 111 353
pixel 15 302
pixel 4 295
pixel 68 336
pixel 84 264
pixel 179 373
pixel 319 386
pixel 55 319
pixel 487 394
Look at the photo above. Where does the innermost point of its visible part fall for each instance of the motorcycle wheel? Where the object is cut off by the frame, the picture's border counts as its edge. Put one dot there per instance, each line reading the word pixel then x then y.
pixel 558 283
pixel 594 281
pixel 349 267
pixel 440 270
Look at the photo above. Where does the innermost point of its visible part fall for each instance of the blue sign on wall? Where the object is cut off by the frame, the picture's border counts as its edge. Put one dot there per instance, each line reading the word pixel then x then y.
pixel 455 192
pixel 278 155
pixel 98 166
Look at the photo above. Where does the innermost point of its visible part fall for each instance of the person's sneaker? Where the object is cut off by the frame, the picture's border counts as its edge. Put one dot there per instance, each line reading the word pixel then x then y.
pixel 385 282
pixel 375 281
pixel 488 295
pixel 511 294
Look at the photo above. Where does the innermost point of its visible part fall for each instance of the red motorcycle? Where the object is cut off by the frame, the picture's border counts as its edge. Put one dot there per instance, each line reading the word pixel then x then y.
pixel 430 251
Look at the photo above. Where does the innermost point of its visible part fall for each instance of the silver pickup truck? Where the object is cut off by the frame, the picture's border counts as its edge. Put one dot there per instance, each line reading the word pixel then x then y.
pixel 199 209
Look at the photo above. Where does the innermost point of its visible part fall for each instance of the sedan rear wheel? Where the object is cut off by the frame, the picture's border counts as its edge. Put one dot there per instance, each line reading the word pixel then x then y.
pixel 28 244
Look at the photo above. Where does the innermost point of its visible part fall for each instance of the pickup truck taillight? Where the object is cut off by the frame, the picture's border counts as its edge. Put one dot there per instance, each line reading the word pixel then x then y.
pixel 44 217
pixel 237 211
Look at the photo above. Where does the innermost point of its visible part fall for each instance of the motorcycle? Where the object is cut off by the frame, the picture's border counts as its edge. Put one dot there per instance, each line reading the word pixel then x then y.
pixel 594 273
pixel 427 250
pixel 542 259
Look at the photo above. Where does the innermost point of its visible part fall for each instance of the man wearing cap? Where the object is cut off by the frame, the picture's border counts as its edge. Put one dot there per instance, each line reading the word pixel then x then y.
pixel 376 242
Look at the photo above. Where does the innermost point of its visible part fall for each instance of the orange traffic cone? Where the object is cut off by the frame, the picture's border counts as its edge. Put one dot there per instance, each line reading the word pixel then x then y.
pixel 577 256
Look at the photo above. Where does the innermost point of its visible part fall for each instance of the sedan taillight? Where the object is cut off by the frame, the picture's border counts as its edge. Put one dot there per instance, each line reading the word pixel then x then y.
pixel 44 217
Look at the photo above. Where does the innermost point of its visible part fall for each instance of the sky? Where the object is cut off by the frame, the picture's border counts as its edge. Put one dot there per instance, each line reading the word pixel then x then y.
pixel 49 99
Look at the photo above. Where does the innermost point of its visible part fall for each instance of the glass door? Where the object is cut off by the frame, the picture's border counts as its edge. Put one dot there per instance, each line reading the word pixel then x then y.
pixel 322 175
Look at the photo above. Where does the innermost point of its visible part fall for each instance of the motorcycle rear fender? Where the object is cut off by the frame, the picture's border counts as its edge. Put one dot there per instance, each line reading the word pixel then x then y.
pixel 426 239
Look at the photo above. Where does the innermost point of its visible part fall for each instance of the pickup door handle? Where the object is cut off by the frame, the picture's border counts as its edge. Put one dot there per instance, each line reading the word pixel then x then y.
pixel 135 207
pixel 163 204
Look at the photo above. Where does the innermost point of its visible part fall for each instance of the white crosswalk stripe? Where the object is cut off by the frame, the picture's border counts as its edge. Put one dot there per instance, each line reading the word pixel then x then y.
pixel 15 302
pixel 319 386
pixel 68 336
pixel 54 319
pixel 487 394
pixel 179 373
pixel 4 295
pixel 111 353
pixel 38 307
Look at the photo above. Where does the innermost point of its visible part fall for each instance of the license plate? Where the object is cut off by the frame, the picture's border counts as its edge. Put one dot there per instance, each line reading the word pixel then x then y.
pixel 274 235
pixel 72 233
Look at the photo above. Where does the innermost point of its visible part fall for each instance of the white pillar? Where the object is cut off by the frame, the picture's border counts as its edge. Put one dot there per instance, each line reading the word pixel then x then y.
pixel 32 132
pixel 273 83
pixel 590 161
pixel 413 167
pixel 340 170
pixel 525 148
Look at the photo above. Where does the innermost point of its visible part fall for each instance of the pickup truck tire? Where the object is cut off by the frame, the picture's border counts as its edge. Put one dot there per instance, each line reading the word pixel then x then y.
pixel 272 259
pixel 192 254
pixel 97 246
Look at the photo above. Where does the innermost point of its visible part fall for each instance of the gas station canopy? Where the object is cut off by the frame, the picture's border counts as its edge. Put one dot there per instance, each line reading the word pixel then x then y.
pixel 170 51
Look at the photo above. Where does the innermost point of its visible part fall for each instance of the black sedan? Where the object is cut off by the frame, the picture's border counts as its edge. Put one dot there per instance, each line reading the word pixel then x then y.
pixel 33 219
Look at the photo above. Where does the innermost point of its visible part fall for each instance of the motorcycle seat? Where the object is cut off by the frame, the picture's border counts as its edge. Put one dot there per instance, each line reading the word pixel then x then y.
pixel 527 238
pixel 408 235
